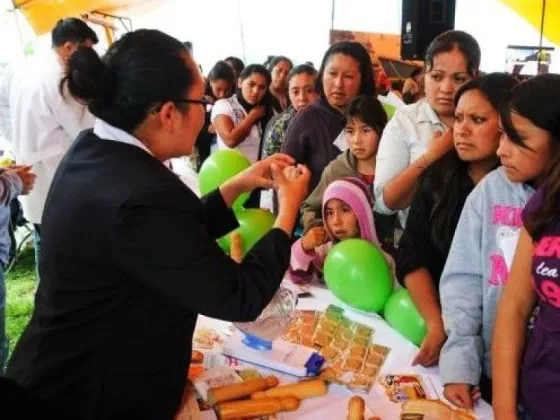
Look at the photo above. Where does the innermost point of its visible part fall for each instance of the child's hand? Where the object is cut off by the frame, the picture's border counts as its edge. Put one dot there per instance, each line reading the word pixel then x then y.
pixel 314 237
pixel 431 347
pixel 462 395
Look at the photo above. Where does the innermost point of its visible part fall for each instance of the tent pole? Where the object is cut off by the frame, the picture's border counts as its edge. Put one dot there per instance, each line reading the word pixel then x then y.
pixel 241 29
pixel 332 14
pixel 539 55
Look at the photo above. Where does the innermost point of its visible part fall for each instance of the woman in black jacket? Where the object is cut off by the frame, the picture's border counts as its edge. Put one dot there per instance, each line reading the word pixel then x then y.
pixel 437 205
pixel 130 256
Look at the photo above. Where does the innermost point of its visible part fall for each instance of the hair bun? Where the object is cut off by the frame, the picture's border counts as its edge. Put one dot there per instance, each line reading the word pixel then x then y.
pixel 88 77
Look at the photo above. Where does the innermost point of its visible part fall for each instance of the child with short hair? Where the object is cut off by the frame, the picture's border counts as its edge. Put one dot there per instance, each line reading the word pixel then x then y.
pixel 365 121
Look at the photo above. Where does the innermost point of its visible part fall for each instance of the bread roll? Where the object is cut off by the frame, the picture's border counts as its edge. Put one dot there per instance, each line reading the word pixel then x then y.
pixel 236 249
pixel 256 408
pixel 301 390
pixel 240 390
pixel 356 408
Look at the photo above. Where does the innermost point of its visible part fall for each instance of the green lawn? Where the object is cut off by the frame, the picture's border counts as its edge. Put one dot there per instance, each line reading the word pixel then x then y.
pixel 20 293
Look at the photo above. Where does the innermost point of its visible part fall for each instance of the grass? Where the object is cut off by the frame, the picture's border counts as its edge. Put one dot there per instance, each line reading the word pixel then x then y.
pixel 20 294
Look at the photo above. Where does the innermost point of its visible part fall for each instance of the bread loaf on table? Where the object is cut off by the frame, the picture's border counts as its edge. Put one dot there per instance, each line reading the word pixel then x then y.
pixel 256 408
pixel 356 408
pixel 236 249
pixel 301 390
pixel 244 389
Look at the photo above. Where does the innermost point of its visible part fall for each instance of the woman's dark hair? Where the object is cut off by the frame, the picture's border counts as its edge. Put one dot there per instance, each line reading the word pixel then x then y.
pixel 359 53
pixel 302 69
pixel 236 63
pixel 369 110
pixel 140 71
pixel 450 176
pixel 220 71
pixel 538 100
pixel 451 40
pixel 256 69
pixel 277 60
pixel 496 88
pixel 72 30
pixel 415 73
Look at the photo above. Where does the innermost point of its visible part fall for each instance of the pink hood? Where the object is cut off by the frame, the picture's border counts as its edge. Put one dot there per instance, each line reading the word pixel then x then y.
pixel 355 193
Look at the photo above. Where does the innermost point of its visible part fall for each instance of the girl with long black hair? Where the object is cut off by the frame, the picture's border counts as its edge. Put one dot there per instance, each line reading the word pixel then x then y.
pixel 535 276
pixel 482 252
pixel 439 201
pixel 240 120
pixel 219 85
pixel 280 68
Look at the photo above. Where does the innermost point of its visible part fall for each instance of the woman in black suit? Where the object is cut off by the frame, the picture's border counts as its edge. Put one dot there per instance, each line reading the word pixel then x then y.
pixel 130 256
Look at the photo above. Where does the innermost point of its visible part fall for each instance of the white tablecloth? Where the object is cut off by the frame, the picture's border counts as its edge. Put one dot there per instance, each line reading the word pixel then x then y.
pixel 334 404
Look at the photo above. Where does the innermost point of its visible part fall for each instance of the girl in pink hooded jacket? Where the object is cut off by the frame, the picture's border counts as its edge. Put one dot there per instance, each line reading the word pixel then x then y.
pixel 347 213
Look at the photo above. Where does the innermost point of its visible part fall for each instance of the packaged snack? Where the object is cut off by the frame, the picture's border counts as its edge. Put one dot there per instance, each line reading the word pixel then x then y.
pixel 401 388
pixel 352 360
pixel 433 409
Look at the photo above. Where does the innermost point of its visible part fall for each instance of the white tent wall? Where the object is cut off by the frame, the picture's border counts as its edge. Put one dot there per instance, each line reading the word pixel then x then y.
pixel 296 28
pixel 300 28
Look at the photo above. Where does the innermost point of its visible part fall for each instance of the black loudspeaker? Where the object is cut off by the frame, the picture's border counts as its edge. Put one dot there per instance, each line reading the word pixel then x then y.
pixel 422 21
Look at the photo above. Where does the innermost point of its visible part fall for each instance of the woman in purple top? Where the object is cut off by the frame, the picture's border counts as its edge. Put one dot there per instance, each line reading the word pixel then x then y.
pixel 535 275
pixel 345 73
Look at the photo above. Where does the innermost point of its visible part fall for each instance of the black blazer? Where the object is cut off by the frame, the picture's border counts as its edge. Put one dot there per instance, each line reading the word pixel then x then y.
pixel 128 260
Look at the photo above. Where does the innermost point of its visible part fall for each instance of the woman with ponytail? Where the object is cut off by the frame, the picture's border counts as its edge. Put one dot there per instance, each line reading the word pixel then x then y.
pixel 130 256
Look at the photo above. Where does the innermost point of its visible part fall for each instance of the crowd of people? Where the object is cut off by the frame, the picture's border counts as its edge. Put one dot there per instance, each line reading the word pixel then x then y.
pixel 459 189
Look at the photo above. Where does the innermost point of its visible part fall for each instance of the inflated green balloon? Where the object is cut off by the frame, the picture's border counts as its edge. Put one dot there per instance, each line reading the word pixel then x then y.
pixel 389 110
pixel 224 244
pixel 401 313
pixel 358 274
pixel 219 167
pixel 253 225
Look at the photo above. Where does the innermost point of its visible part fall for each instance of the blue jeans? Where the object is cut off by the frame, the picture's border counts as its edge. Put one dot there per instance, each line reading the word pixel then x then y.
pixel 3 336
pixel 37 246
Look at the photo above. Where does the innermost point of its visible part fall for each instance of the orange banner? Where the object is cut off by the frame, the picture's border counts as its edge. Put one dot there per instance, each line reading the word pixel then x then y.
pixel 42 15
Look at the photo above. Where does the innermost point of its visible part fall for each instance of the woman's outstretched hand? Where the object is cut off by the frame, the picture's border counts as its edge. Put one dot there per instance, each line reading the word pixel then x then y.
pixel 258 175
pixel 292 183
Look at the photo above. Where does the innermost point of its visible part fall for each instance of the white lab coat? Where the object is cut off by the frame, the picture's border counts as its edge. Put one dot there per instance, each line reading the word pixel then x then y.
pixel 43 122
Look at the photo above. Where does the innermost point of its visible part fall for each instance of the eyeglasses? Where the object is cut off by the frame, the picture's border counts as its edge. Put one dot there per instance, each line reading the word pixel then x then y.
pixel 202 102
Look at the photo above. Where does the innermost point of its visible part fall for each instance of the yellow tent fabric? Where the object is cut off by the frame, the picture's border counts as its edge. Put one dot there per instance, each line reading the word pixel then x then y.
pixel 531 11
pixel 42 15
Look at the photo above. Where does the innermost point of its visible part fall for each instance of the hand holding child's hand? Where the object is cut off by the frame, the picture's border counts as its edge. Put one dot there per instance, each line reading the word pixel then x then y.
pixel 314 237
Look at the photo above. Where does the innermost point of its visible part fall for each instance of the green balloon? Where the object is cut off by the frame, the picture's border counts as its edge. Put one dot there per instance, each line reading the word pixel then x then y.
pixel 358 274
pixel 224 244
pixel 403 316
pixel 221 166
pixel 253 225
pixel 389 110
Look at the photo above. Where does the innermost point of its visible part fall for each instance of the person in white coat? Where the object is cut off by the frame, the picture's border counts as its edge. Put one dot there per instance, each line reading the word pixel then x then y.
pixel 43 119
